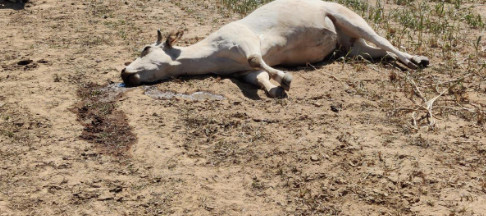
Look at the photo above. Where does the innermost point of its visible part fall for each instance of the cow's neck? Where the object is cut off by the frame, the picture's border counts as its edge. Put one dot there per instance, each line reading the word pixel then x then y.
pixel 202 58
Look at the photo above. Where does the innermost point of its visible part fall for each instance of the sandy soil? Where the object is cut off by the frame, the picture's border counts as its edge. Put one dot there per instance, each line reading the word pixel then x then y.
pixel 343 142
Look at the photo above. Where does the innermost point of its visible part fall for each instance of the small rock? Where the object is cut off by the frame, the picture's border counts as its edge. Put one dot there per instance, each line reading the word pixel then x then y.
pixel 314 158
pixel 472 175
pixel 209 207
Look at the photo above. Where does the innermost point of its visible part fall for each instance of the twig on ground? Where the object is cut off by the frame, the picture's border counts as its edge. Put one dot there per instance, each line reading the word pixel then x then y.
pixel 414 121
pixel 313 67
pixel 416 89
pixel 428 104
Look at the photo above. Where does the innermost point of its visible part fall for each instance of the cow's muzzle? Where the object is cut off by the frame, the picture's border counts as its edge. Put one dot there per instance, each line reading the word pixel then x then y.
pixel 130 79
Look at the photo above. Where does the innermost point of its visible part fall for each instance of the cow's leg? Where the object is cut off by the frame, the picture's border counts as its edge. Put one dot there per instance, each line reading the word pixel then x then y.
pixel 361 48
pixel 256 61
pixel 262 79
pixel 354 26
pixel 249 44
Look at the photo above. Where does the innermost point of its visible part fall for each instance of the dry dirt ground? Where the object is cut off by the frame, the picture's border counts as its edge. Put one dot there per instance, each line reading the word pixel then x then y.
pixel 352 138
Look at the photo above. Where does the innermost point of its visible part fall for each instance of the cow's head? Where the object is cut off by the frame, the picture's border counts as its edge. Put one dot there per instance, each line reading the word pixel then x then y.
pixel 156 62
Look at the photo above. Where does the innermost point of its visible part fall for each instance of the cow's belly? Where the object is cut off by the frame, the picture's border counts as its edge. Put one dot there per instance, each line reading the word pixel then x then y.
pixel 306 46
pixel 310 52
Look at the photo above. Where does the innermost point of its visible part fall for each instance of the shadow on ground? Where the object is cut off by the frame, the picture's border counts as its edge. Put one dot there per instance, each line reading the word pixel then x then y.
pixel 18 5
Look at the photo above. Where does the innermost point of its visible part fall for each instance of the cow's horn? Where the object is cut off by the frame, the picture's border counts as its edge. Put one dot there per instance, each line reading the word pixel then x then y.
pixel 159 37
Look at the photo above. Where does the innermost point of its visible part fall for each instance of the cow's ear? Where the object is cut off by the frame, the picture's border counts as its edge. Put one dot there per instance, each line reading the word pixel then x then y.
pixel 173 38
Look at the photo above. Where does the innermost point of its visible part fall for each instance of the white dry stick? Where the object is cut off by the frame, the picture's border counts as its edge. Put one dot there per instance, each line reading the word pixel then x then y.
pixel 428 103
pixel 414 121
pixel 417 90
pixel 428 106
pixel 460 79
pixel 308 64
pixel 454 80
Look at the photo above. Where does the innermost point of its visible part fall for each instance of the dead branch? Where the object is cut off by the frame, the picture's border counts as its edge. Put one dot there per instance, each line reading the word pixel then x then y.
pixel 416 88
pixel 429 104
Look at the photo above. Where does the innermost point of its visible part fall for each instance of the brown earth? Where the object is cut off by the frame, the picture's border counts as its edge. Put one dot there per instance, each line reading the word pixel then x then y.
pixel 344 141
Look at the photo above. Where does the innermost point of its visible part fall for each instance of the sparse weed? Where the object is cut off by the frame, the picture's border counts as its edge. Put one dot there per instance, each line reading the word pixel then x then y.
pixel 7 133
pixel 403 2
pixel 359 6
pixel 95 40
pixel 475 21
pixel 243 7
pixel 56 78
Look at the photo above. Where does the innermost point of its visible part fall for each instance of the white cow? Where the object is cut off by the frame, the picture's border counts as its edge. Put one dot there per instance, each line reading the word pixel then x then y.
pixel 283 32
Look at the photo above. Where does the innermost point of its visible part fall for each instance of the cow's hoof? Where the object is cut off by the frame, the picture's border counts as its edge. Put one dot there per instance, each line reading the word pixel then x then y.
pixel 420 61
pixel 277 92
pixel 411 65
pixel 287 79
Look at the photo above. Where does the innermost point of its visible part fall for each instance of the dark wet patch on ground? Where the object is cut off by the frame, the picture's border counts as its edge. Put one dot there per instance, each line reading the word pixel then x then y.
pixel 104 125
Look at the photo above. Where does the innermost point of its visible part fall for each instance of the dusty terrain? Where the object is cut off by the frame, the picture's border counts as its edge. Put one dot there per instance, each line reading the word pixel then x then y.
pixel 353 138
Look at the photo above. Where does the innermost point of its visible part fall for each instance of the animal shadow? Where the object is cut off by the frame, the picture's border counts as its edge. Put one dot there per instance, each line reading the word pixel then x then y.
pixel 249 91
pixel 17 5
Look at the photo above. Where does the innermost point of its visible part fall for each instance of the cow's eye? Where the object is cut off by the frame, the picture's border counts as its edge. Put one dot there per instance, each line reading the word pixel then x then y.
pixel 145 51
